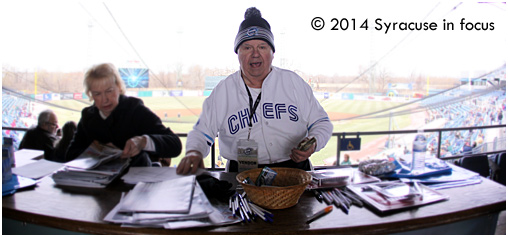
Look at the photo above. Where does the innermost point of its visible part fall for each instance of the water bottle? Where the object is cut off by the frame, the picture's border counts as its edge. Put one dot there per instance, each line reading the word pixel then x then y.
pixel 419 150
pixel 6 165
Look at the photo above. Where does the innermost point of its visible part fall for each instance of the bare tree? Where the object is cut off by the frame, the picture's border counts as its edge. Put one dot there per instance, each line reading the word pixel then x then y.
pixel 196 78
pixel 382 80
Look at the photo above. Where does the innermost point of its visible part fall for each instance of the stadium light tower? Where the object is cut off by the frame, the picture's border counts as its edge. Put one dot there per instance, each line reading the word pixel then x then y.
pixel 371 75
pixel 89 48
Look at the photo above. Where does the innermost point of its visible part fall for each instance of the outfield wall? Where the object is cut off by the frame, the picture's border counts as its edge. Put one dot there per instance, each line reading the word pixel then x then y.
pixel 177 93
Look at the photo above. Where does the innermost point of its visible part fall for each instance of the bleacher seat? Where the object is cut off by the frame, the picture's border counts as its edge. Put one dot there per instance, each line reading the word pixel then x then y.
pixel 476 163
pixel 498 167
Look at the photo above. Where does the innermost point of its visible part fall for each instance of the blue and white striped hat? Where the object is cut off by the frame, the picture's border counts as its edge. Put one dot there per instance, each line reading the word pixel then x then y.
pixel 254 27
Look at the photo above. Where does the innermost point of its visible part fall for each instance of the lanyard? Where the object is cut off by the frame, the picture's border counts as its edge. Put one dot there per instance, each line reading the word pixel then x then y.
pixel 252 108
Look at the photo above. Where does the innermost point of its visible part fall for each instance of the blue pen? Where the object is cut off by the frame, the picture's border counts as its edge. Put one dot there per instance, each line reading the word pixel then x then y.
pixel 244 211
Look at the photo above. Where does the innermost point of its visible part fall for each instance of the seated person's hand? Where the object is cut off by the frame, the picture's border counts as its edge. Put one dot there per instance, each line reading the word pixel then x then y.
pixel 165 161
pixel 298 156
pixel 133 146
pixel 190 163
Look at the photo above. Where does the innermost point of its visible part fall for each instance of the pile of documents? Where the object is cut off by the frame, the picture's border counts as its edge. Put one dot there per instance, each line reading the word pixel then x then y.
pixel 93 169
pixel 174 203
pixel 331 177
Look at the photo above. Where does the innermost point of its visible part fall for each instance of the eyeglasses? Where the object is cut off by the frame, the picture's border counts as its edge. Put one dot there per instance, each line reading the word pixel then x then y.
pixel 54 124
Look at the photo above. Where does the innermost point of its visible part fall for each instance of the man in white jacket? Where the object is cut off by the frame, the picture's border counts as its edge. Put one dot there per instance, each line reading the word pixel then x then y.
pixel 286 111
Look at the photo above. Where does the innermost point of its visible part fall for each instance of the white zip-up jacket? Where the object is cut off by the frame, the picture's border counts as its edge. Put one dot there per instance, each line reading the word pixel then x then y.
pixel 287 113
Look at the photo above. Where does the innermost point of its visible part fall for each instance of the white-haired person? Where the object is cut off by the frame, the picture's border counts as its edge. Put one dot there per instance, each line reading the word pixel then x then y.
pixel 43 136
pixel 260 108
pixel 121 121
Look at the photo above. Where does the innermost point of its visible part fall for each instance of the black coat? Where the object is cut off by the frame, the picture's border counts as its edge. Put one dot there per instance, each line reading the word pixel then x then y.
pixel 39 139
pixel 129 119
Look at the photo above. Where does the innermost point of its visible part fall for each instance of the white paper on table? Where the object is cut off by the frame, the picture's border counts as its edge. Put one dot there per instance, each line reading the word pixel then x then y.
pixel 153 174
pixel 38 169
pixel 170 196
pixel 28 154
pixel 200 208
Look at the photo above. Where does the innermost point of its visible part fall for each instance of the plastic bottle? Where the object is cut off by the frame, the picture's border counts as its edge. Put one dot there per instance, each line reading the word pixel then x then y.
pixel 419 151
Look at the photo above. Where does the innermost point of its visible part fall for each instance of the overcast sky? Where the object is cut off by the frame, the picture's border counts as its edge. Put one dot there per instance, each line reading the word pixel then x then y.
pixel 69 35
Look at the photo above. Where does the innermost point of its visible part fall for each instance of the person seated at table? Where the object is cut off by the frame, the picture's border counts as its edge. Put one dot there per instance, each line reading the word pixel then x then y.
pixel 43 136
pixel 261 103
pixel 120 121
pixel 68 130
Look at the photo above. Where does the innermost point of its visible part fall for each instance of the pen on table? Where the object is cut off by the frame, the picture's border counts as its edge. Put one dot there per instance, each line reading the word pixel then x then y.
pixel 327 198
pixel 237 207
pixel 245 207
pixel 356 201
pixel 342 204
pixel 241 214
pixel 260 208
pixel 335 199
pixel 318 196
pixel 244 202
pixel 262 213
pixel 243 210
pixel 342 197
pixel 318 214
pixel 233 205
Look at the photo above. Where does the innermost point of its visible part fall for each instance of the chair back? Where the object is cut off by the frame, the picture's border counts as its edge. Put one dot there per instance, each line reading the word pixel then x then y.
pixel 501 163
pixel 476 163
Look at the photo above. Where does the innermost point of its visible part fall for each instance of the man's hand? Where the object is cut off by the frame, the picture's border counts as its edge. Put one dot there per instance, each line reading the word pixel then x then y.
pixel 133 146
pixel 190 163
pixel 298 156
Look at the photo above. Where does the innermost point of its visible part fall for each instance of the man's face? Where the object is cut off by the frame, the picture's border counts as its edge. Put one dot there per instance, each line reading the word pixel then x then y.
pixel 105 94
pixel 52 125
pixel 255 58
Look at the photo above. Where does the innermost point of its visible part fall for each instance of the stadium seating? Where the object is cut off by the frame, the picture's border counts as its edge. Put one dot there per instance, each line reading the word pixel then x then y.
pixel 476 163
pixel 498 167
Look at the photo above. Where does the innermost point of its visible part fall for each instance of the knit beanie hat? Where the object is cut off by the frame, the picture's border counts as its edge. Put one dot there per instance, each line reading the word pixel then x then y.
pixel 254 27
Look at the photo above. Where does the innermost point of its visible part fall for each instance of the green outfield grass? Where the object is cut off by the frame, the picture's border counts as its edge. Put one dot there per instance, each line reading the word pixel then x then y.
pixel 190 107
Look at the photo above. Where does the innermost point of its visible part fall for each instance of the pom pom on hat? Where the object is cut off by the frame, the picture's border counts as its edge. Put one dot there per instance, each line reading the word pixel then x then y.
pixel 252 12
pixel 254 27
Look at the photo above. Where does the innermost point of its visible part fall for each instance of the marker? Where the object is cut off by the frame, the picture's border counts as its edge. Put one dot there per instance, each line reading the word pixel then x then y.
pixel 318 195
pixel 356 201
pixel 343 204
pixel 321 213
pixel 328 199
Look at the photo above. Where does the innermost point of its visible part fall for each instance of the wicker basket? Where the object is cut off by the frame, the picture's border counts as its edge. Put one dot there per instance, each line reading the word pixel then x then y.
pixel 288 186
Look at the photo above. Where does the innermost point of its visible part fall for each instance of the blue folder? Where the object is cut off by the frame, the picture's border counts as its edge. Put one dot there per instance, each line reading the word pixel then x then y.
pixel 433 167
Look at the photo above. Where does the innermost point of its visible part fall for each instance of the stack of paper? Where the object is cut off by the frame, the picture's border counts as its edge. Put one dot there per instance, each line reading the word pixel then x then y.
pixel 153 174
pixel 96 167
pixel 172 204
pixel 90 172
pixel 330 177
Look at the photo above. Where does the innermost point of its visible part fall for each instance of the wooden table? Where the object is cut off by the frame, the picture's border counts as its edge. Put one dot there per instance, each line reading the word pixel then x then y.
pixel 471 209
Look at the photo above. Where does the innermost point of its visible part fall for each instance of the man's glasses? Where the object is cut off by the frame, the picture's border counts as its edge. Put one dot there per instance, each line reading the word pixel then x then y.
pixel 54 124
